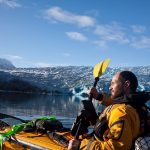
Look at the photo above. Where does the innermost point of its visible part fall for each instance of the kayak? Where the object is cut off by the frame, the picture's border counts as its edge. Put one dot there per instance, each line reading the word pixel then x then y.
pixel 19 137
pixel 16 138
pixel 28 141
pixel 51 141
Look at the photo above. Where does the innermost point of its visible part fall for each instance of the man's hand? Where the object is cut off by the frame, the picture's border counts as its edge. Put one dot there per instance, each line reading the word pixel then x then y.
pixel 95 93
pixel 74 144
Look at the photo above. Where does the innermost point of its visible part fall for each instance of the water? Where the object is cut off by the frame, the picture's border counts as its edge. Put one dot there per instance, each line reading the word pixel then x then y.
pixel 29 106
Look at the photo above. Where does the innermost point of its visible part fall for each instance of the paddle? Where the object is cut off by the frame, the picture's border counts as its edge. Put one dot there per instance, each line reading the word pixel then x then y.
pixel 98 71
pixel 3 116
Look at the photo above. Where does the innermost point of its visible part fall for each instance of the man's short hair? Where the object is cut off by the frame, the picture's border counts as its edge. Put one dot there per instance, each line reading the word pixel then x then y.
pixel 130 76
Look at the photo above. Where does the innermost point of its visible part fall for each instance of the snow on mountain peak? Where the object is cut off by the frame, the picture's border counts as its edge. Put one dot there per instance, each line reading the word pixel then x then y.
pixel 75 80
pixel 6 64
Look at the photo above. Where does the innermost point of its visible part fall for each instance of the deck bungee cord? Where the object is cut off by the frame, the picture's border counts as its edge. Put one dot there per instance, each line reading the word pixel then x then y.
pixel 20 127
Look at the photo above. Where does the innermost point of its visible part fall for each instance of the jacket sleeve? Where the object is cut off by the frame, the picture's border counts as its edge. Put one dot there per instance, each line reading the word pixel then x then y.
pixel 120 134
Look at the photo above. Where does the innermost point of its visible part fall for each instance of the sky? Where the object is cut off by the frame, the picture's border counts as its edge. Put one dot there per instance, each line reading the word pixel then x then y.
pixel 44 33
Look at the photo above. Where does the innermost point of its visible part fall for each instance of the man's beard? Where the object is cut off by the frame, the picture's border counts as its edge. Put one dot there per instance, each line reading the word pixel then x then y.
pixel 121 94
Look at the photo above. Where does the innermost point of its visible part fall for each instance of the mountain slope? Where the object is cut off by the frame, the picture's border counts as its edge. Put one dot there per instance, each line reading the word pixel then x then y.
pixel 6 64
pixel 71 79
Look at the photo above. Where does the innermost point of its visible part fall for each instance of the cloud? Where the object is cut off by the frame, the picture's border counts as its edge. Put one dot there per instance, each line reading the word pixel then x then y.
pixel 17 57
pixel 142 42
pixel 10 3
pixel 138 29
pixel 100 43
pixel 13 57
pixel 76 36
pixel 59 15
pixel 113 32
pixel 107 33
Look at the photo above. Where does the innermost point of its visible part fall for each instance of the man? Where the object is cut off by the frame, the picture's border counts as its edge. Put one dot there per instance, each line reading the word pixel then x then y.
pixel 119 125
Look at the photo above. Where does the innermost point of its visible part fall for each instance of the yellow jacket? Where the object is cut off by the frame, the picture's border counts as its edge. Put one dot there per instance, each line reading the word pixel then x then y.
pixel 123 128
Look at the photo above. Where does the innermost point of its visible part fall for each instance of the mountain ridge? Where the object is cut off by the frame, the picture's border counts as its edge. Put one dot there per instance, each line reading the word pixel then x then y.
pixel 6 64
pixel 74 80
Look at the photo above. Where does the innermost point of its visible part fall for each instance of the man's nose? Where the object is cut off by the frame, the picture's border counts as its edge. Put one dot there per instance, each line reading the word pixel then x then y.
pixel 110 88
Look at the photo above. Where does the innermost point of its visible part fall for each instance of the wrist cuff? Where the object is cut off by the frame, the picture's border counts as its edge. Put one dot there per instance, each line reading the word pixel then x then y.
pixel 99 97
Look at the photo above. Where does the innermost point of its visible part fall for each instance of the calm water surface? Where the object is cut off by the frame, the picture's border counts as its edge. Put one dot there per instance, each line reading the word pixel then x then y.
pixel 28 106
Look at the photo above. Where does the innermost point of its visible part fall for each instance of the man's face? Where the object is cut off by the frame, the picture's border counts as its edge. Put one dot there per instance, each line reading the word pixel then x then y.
pixel 116 87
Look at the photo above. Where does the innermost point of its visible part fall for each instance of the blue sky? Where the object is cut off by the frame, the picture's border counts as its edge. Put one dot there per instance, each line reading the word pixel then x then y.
pixel 42 33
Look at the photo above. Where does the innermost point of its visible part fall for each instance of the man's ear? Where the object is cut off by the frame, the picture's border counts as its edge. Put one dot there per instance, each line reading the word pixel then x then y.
pixel 127 83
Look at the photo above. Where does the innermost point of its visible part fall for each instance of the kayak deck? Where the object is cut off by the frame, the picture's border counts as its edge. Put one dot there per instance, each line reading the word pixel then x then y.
pixel 27 141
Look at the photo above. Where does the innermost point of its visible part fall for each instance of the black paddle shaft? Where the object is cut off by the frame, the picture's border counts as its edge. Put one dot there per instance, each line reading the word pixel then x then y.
pixel 90 98
pixel 78 130
pixel 2 116
pixel 94 85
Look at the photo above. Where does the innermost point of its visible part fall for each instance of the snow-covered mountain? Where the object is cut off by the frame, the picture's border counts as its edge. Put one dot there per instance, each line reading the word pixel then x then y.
pixel 6 64
pixel 74 80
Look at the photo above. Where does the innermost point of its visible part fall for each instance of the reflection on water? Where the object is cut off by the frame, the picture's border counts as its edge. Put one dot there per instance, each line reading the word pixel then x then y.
pixel 29 106
pixel 38 105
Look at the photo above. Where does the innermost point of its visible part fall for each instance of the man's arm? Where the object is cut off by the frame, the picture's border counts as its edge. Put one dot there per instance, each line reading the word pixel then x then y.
pixel 123 129
pixel 103 98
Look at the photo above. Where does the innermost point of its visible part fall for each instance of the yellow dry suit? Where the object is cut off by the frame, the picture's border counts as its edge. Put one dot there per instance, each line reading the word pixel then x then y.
pixel 117 128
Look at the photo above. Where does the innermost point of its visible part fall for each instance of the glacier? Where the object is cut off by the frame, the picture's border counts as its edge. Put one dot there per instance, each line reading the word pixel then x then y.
pixel 70 80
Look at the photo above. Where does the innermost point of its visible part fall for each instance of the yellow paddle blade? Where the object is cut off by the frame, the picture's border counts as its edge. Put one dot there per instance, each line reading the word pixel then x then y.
pixel 105 65
pixel 97 69
pixel 100 68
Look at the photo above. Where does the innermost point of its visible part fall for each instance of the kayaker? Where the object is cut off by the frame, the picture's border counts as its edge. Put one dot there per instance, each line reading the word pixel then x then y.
pixel 119 124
